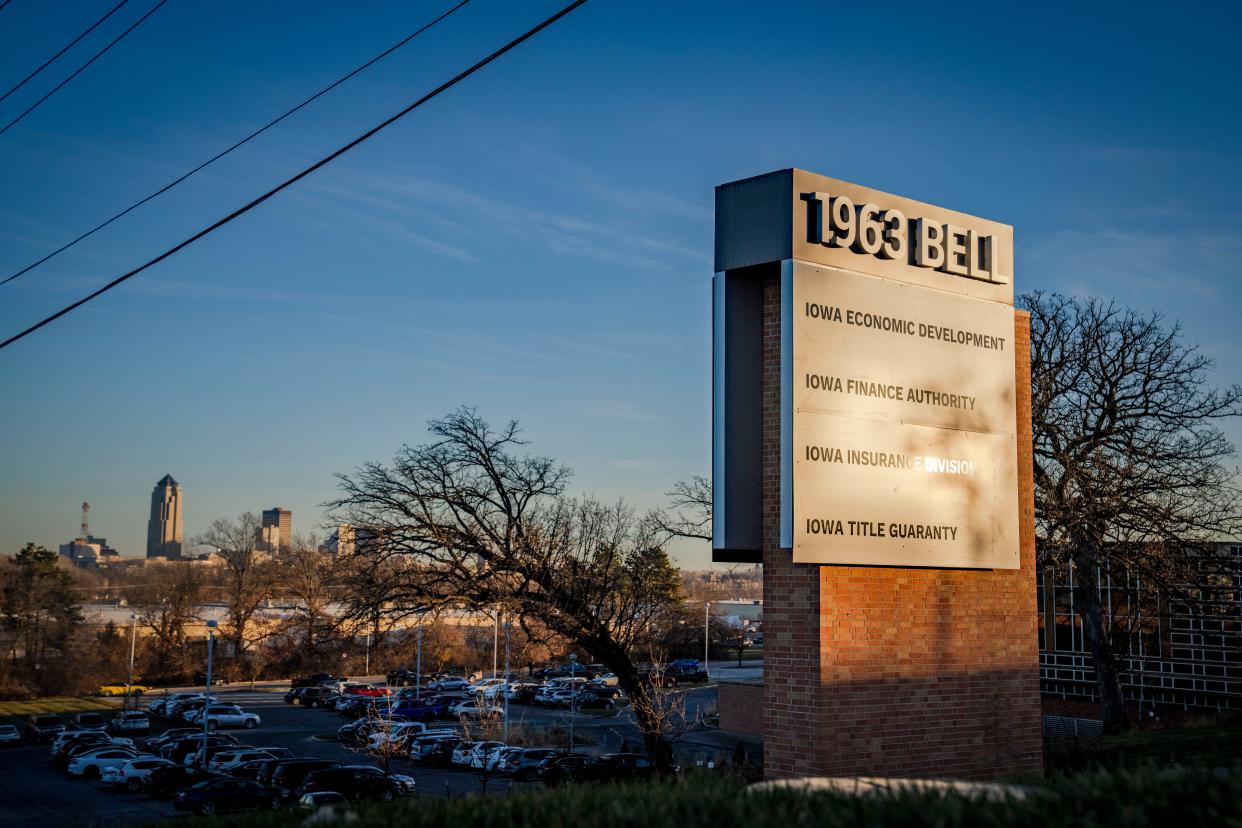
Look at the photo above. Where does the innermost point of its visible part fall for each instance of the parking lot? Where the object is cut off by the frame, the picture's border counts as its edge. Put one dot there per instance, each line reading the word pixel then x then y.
pixel 33 793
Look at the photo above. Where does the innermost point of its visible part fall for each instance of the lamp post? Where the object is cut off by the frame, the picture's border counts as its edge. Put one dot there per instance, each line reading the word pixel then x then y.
pixel 707 627
pixel 418 668
pixel 367 669
pixel 495 642
pixel 133 637
pixel 506 684
pixel 573 700
pixel 211 643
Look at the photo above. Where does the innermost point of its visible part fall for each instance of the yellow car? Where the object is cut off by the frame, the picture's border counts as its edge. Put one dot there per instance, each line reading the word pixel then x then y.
pixel 122 689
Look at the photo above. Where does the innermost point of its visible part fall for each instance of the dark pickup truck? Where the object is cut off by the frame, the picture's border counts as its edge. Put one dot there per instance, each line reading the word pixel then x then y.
pixel 402 678
pixel 316 679
pixel 41 728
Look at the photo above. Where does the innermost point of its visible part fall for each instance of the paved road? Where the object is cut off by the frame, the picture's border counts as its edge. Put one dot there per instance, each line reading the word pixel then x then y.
pixel 32 793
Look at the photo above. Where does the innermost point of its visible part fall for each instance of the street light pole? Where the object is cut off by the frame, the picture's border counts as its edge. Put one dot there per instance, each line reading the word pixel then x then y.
pixel 506 684
pixel 133 637
pixel 367 668
pixel 573 700
pixel 418 669
pixel 211 642
pixel 495 642
pixel 707 626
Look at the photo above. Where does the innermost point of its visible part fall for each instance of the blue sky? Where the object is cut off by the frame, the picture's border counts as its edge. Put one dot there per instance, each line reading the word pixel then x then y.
pixel 537 241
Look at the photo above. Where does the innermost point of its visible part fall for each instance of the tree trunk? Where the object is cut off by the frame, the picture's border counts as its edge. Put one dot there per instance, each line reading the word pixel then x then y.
pixel 1087 605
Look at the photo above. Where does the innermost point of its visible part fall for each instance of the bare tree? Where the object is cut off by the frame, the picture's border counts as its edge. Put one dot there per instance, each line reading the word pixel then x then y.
pixel 1130 470
pixel 166 603
pixel 689 514
pixel 479 526
pixel 306 574
pixel 249 576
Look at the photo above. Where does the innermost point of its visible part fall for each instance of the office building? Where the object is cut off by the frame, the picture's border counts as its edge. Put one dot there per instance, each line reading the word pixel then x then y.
pixel 276 532
pixel 165 528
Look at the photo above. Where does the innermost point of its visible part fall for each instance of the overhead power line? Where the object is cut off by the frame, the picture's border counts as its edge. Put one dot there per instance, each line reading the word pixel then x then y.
pixel 245 140
pixel 81 68
pixel 71 44
pixel 327 159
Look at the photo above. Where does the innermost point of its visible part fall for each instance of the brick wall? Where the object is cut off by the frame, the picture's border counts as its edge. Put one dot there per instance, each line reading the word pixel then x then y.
pixel 900 672
pixel 738 703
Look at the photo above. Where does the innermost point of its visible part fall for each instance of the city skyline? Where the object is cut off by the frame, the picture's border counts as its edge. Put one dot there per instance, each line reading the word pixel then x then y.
pixel 538 241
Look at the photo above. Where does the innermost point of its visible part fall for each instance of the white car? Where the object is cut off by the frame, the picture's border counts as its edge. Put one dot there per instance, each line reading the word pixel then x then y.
pixel 108 741
pixel 231 758
pixel 472 709
pixel 93 762
pixel 161 704
pixel 606 680
pixel 226 715
pixel 130 721
pixel 452 683
pixel 461 753
pixel 482 684
pixel 9 736
pixel 481 751
pixel 129 775
pixel 398 732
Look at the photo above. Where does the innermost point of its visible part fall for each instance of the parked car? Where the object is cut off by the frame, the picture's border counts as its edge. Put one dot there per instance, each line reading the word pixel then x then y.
pixel 571 768
pixel 225 715
pixel 227 794
pixel 130 775
pixel 122 689
pixel 521 763
pixel 398 734
pixel 154 743
pixel 606 680
pixel 9 737
pixel 357 782
pixel 130 721
pixel 161 705
pixel 166 781
pixel 247 770
pixel 66 746
pixel 202 757
pixel 91 762
pixel 226 760
pixel 585 700
pixel 433 748
pixel 289 774
pixel 311 696
pixel 316 679
pixel 426 710
pixel 472 709
pixel 461 753
pixel 182 750
pixel 368 690
pixel 402 678
pixel 449 684
pixel 41 727
pixel 480 752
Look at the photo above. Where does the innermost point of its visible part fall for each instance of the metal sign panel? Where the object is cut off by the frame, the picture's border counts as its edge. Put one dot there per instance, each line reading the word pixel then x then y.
pixel 902 435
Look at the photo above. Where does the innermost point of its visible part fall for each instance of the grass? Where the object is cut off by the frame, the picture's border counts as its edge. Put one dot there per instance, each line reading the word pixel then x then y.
pixel 15 712
pixel 1125 798
pixel 1219 744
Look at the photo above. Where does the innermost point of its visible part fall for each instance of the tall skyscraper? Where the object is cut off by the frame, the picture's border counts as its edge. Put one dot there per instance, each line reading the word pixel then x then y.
pixel 277 530
pixel 164 529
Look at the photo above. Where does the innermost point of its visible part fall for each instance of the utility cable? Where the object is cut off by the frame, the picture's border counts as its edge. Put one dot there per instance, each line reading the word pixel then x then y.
pixel 72 43
pixel 327 159
pixel 245 140
pixel 5 3
pixel 81 68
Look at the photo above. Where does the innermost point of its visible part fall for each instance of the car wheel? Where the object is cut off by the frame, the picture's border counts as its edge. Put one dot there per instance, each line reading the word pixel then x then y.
pixel 276 803
pixel 385 795
pixel 138 692
pixel 107 693
pixel 251 724
pixel 207 809
pixel 133 785
pixel 213 725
